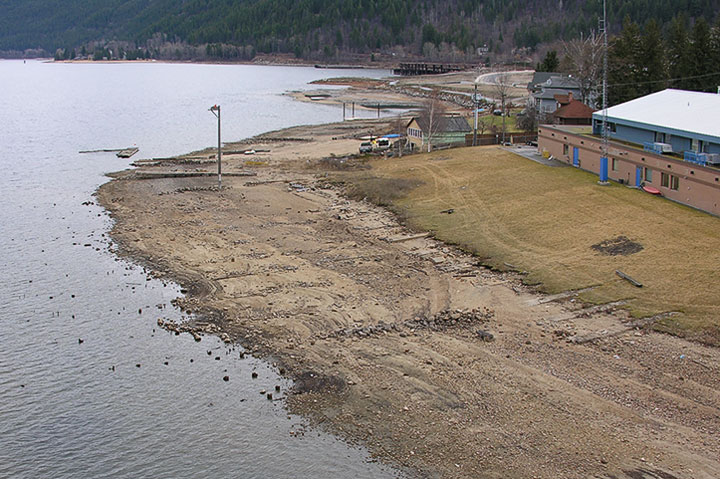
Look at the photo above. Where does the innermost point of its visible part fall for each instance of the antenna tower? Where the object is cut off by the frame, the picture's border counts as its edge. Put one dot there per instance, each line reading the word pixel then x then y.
pixel 603 29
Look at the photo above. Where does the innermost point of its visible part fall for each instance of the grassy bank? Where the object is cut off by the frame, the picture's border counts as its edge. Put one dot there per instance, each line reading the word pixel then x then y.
pixel 507 209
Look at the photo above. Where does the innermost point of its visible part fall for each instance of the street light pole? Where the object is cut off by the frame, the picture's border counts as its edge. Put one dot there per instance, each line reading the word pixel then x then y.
pixel 475 106
pixel 215 109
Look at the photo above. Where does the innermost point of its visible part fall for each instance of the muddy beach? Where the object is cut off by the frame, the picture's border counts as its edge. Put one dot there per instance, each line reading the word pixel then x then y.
pixel 404 344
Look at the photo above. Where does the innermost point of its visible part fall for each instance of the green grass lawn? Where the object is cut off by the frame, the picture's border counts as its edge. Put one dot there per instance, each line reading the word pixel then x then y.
pixel 544 220
pixel 492 120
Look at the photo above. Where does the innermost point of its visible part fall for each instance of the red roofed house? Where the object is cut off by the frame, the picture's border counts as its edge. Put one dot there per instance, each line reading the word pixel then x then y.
pixel 571 112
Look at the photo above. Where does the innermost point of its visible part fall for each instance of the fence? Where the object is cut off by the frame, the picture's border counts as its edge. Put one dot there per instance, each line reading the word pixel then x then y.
pixel 496 138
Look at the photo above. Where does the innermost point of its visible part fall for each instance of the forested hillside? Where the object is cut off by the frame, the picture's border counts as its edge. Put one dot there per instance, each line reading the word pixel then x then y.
pixel 330 29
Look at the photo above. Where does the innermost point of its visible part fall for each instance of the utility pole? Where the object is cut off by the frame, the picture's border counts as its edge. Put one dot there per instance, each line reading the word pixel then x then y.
pixel 605 140
pixel 215 109
pixel 503 118
pixel 475 105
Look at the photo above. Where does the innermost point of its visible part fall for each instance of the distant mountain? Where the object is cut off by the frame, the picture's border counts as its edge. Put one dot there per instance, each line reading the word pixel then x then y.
pixel 331 29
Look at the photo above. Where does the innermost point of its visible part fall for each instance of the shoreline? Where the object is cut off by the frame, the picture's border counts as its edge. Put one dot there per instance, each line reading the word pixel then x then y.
pixel 262 61
pixel 380 326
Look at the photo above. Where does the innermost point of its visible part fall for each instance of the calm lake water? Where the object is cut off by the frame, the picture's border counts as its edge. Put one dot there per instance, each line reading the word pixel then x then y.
pixel 89 386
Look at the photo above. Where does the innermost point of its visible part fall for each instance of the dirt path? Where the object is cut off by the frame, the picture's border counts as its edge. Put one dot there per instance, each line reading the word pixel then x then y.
pixel 406 344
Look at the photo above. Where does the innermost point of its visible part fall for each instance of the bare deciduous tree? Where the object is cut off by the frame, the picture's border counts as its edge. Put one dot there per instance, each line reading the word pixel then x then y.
pixel 530 120
pixel 583 60
pixel 501 86
pixel 431 117
pixel 482 126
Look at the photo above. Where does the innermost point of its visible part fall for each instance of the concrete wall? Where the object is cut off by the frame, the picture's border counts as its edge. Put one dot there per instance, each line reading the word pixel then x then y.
pixel 698 186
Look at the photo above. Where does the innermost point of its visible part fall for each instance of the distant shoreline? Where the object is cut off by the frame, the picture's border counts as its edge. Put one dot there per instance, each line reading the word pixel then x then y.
pixel 264 61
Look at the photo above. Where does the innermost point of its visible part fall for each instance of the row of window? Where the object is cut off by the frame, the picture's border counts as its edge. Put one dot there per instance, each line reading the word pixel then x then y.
pixel 415 132
pixel 666 180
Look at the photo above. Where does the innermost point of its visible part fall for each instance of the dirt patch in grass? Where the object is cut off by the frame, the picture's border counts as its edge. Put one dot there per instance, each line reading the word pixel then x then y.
pixel 621 245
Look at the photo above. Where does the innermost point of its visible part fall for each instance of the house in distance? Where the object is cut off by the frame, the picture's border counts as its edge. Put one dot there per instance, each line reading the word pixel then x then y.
pixel 441 131
pixel 571 111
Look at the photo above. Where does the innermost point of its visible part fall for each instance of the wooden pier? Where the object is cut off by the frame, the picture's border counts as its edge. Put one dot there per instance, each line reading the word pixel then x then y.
pixel 127 152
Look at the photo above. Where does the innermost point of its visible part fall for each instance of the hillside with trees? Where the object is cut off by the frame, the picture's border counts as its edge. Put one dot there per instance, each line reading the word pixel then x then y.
pixel 327 30
pixel 644 59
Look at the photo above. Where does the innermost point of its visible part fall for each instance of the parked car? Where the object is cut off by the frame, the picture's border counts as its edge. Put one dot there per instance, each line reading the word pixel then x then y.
pixel 382 144
pixel 366 147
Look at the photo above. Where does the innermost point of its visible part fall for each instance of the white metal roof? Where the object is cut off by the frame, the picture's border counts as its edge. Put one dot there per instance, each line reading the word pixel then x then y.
pixel 690 111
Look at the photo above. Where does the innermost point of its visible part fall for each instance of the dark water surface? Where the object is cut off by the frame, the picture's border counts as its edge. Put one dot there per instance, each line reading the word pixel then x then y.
pixel 109 406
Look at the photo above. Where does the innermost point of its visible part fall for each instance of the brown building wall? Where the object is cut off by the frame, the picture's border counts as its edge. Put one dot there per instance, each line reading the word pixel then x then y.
pixel 697 186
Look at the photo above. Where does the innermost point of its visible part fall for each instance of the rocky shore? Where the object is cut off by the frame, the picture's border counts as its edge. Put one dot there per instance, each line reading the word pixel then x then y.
pixel 398 341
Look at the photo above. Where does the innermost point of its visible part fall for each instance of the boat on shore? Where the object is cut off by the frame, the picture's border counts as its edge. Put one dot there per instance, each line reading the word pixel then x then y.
pixel 651 190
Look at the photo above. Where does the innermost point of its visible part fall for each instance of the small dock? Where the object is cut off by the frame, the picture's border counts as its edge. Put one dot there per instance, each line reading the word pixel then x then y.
pixel 412 69
pixel 127 152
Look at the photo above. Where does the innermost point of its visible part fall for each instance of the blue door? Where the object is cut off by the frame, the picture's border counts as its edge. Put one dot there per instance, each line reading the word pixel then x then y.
pixel 576 156
pixel 638 176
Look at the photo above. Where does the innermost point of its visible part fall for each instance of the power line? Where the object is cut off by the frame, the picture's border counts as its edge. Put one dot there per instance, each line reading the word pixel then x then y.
pixel 666 80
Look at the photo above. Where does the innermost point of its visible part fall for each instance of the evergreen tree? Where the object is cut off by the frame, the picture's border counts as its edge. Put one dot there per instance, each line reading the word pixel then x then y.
pixel 624 70
pixel 550 63
pixel 652 76
pixel 715 42
pixel 715 52
pixel 700 59
pixel 677 50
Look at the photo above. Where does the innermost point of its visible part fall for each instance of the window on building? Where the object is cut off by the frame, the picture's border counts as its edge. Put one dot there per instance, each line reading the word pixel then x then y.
pixel 659 137
pixel 647 173
pixel 612 127
pixel 566 149
pixel 674 182
pixel 695 145
pixel 414 132
pixel 615 164
pixel 664 180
